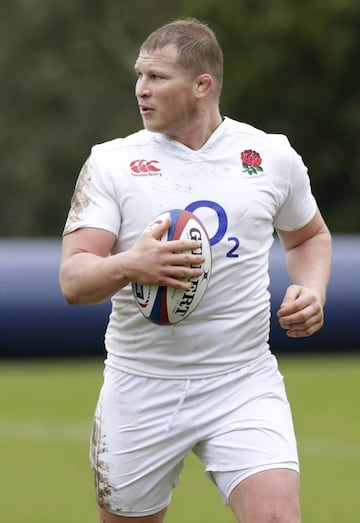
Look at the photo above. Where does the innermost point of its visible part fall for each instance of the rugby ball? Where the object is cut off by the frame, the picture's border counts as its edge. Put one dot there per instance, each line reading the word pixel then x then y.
pixel 167 305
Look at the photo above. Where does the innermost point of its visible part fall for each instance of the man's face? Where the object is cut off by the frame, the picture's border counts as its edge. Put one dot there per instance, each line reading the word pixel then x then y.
pixel 165 93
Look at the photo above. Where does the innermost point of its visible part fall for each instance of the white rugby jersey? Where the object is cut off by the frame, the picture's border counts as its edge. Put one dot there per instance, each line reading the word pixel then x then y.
pixel 242 183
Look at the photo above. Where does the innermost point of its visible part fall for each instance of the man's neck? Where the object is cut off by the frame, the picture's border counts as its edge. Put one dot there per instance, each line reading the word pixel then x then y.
pixel 199 133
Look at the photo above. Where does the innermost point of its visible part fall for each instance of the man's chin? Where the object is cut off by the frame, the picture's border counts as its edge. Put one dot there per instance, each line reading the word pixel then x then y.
pixel 152 127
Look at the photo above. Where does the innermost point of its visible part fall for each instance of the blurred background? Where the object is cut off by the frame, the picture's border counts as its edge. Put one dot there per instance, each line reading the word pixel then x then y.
pixel 67 82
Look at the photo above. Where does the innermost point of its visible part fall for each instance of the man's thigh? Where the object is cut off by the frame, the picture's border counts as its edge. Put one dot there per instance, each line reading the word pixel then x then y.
pixel 267 497
pixel 136 451
pixel 106 517
pixel 251 427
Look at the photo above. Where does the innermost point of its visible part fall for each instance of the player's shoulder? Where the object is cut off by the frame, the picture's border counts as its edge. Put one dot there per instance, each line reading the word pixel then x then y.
pixel 275 148
pixel 249 131
pixel 116 145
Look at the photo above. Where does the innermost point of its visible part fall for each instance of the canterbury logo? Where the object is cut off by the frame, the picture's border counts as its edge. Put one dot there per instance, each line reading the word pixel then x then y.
pixel 145 168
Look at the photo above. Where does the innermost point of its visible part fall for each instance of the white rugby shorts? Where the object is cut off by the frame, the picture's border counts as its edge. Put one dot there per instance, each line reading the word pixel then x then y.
pixel 238 424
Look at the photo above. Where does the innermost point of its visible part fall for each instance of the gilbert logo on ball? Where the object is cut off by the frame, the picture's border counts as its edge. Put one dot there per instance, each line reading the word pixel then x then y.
pixel 167 305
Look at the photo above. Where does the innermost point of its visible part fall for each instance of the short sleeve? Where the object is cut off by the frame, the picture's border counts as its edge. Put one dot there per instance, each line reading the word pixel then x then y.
pixel 299 206
pixel 94 202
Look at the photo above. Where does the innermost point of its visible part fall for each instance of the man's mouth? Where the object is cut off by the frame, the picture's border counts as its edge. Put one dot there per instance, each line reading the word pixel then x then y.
pixel 145 110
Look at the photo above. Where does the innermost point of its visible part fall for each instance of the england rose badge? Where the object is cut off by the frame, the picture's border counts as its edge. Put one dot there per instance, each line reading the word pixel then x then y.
pixel 251 161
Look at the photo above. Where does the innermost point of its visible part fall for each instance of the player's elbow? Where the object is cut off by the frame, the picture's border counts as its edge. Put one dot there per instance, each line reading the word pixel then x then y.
pixel 70 297
pixel 67 289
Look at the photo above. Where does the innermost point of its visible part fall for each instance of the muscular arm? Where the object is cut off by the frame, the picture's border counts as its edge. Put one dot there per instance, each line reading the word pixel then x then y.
pixel 89 274
pixel 308 259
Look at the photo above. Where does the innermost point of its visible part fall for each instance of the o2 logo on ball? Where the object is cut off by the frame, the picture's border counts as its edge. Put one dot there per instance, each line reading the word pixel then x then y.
pixel 222 225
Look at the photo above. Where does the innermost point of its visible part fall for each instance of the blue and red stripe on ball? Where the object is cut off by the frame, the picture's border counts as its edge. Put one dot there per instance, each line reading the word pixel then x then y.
pixel 167 305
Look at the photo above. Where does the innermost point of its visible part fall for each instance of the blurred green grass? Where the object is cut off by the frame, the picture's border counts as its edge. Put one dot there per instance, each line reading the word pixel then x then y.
pixel 46 411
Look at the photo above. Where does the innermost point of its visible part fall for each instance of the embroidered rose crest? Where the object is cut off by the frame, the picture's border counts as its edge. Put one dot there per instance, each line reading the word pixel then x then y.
pixel 251 161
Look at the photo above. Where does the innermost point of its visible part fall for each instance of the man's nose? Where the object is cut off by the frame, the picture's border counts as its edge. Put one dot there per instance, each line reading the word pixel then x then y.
pixel 142 87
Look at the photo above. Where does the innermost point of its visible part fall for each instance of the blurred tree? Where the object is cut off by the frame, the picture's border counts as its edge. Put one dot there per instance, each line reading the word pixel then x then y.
pixel 67 82
pixel 291 67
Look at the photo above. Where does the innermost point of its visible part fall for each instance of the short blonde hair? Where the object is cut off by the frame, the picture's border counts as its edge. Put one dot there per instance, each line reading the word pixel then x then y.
pixel 198 48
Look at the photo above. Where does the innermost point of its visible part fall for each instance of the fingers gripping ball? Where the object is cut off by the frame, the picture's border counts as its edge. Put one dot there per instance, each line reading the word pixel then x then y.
pixel 167 305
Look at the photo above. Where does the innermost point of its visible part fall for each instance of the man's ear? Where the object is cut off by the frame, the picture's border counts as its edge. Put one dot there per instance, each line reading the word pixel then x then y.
pixel 203 85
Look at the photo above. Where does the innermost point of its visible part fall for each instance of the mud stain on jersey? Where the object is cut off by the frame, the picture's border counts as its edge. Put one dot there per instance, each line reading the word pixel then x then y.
pixel 80 199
